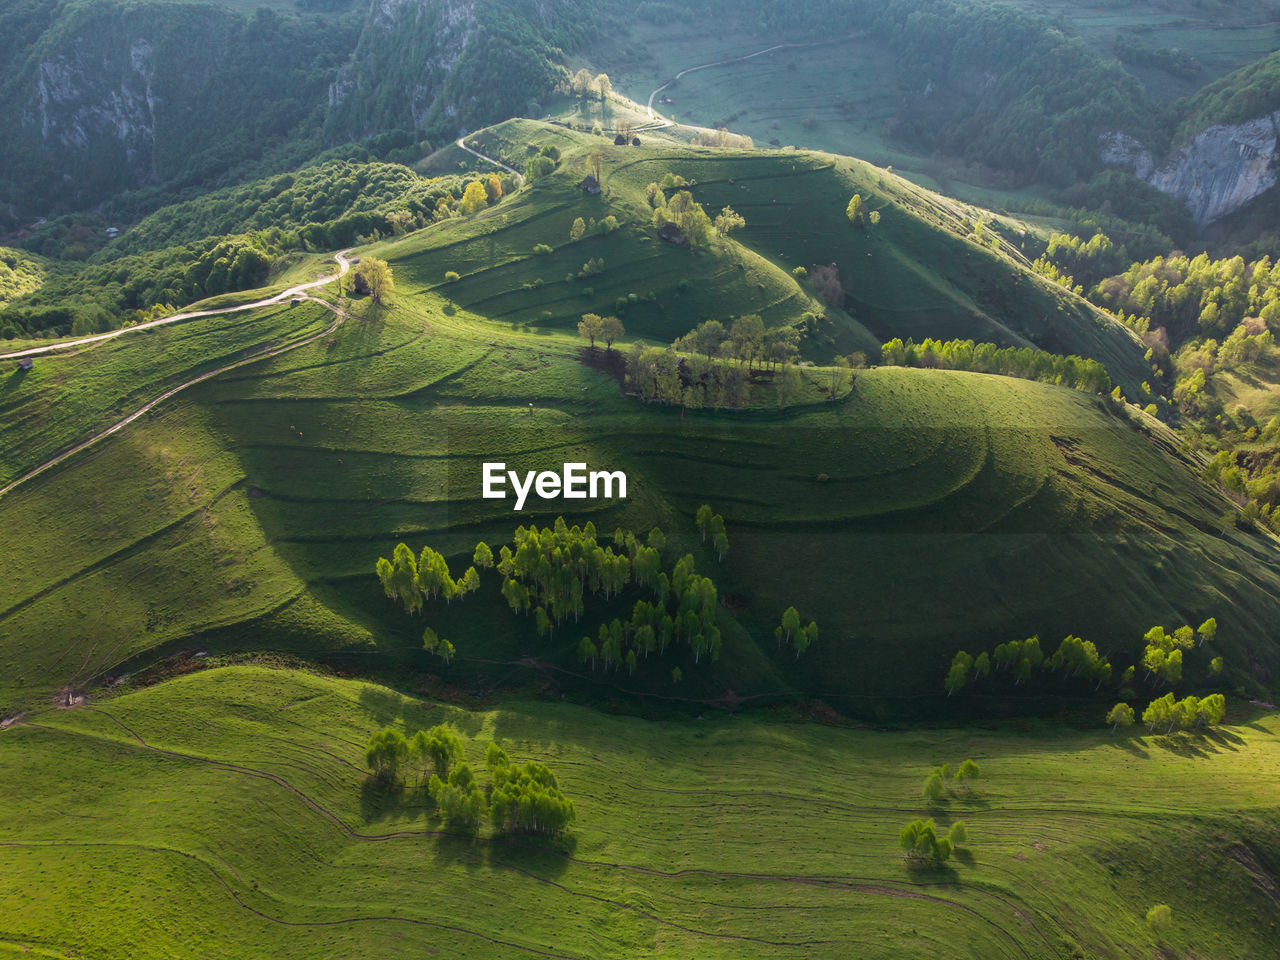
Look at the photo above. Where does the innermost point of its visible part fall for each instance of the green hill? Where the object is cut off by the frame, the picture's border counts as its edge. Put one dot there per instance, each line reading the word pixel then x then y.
pixel 252 831
pixel 923 512
pixel 926 269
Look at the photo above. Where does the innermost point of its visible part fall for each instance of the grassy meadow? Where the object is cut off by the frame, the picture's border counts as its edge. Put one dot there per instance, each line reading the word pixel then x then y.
pixel 227 811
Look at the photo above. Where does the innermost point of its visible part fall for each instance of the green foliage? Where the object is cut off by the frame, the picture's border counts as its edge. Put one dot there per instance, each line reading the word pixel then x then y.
pixel 386 753
pixel 1168 713
pixel 1078 373
pixel 1247 94
pixel 1121 715
pixel 526 798
pixel 920 842
pixel 253 82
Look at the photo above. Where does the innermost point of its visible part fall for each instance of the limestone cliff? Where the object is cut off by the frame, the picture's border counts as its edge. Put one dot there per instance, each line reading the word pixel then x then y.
pixel 1215 173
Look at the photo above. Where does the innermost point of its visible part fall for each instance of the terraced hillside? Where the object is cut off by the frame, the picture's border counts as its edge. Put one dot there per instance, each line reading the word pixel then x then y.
pixel 252 831
pixel 922 512
pixel 923 270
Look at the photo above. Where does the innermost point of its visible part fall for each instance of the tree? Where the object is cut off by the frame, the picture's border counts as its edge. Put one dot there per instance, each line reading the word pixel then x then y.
pixel 493 189
pixel 1208 631
pixel 460 799
pixel 604 85
pixel 703 520
pixel 1215 666
pixel 934 787
pixel 873 217
pixel 1121 715
pixel 577 229
pixel 386 752
pixel 435 750
pixel 591 325
pixel 587 651
pixel 787 383
pixel 958 675
pixel 376 276
pixel 968 772
pixel 728 220
pixel 854 210
pixel 611 329
pixel 474 199
pixel 483 557
pixel 919 841
pixel 722 545
pixel 697 226
pixel 790 623
pixel 957 834
pixel 747 336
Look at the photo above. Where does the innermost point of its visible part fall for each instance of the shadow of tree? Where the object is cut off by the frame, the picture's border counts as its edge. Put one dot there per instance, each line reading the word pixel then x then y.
pixel 546 857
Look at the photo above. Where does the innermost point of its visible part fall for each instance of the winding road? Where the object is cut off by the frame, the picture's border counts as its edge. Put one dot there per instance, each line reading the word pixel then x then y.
pixel 462 142
pixel 299 291
pixel 343 266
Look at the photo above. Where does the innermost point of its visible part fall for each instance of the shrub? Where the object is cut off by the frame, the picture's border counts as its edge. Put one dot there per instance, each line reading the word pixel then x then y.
pixel 542 249
pixel 451 275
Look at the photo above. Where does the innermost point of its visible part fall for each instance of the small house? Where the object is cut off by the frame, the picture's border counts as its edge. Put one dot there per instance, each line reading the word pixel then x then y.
pixel 590 184
pixel 26 363
pixel 360 286
pixel 294 301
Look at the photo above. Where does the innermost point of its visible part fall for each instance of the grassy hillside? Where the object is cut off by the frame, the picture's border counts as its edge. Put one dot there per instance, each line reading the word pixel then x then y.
pixel 924 512
pixel 251 830
pixel 927 268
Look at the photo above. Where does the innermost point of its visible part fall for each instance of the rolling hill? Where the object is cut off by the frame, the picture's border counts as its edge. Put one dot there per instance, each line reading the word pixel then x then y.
pixel 252 831
pixel 921 512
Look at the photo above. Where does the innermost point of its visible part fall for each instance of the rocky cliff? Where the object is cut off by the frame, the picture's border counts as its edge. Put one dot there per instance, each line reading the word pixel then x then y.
pixel 114 96
pixel 1216 173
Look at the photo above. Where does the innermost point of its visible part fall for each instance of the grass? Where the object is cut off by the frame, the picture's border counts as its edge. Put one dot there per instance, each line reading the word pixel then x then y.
pixel 65 398
pixel 923 512
pixel 249 830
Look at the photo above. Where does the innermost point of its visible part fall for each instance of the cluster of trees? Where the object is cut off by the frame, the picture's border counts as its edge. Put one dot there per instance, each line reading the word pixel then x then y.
pixel 715 366
pixel 1193 295
pixel 544 161
pixel 552 569
pixel 790 631
pixel 1168 713
pixel 1162 659
pixel 920 842
pixel 593 327
pixel 584 86
pixel 521 798
pixel 1163 653
pixel 655 626
pixel 857 213
pixel 1080 373
pixel 1073 658
pixel 19 274
pixel 1076 264
pixel 374 276
pixel 411 580
pixel 685 213
pixel 580 228
pixel 942 781
pixel 525 797
pixel 721 137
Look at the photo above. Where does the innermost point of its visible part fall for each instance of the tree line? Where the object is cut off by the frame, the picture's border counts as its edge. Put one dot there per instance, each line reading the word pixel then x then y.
pixel 520 798
pixel 1026 363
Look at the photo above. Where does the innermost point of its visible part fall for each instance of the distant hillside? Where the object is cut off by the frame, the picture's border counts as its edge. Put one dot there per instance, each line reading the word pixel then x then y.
pixel 109 96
